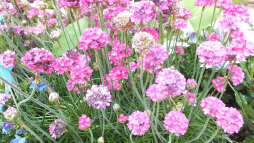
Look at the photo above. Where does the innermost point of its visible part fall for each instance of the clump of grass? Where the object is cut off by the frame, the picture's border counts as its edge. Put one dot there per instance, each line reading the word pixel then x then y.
pixel 244 2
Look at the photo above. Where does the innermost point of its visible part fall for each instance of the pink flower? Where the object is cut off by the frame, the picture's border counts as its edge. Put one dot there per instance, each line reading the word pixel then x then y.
pixel 93 38
pixel 4 98
pixel 56 129
pixel 179 50
pixel 230 120
pixel 163 5
pixel 118 53
pixel 37 31
pixel 113 11
pixel 98 96
pixel 151 31
pixel 115 75
pixel 33 13
pixel 237 74
pixel 173 80
pixel 63 64
pixel 212 106
pixel 185 14
pixel 39 60
pixel 7 58
pixel 70 85
pixel 205 3
pixel 237 49
pixel 52 23
pixel 11 114
pixel 211 52
pixel 142 12
pixel 176 122
pixel 191 98
pixel 218 83
pixel 69 3
pixel 180 24
pixel 191 83
pixel 213 37
pixel 157 92
pixel 139 123
pixel 122 119
pixel 80 73
pixel 133 66
pixel 153 59
pixel 224 3
pixel 84 122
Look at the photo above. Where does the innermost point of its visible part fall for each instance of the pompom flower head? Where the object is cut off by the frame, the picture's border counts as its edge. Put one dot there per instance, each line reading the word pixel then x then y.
pixel 218 83
pixel 139 123
pixel 230 120
pixel 237 75
pixel 122 118
pixel 176 122
pixel 122 21
pixel 84 122
pixel 93 38
pixel 11 114
pixel 157 92
pixel 211 52
pixel 212 106
pixel 143 42
pixel 98 96
pixel 39 60
pixel 7 59
pixel 191 83
pixel 173 80
pixel 56 129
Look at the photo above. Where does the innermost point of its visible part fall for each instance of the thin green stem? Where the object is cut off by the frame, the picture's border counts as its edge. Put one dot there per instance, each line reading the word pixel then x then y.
pixel 91 133
pixel 214 134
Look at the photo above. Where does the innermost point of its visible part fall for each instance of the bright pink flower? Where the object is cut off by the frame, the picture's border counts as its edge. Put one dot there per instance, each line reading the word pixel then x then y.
pixel 176 122
pixel 211 52
pixel 84 122
pixel 52 23
pixel 157 92
pixel 113 11
pixel 186 14
pixel 191 83
pixel 173 80
pixel 118 53
pixel 152 31
pixel 218 83
pixel 139 123
pixel 213 37
pixel 133 66
pixel 230 120
pixel 63 64
pixel 236 49
pixel 7 58
pixel 205 3
pixel 39 60
pixel 237 74
pixel 180 24
pixel 142 12
pixel 57 128
pixel 98 96
pixel 33 13
pixel 69 3
pixel 163 5
pixel 115 75
pixel 179 50
pixel 80 73
pixel 224 3
pixel 237 33
pixel 70 85
pixel 93 38
pixel 212 106
pixel 191 98
pixel 122 118
pixel 153 59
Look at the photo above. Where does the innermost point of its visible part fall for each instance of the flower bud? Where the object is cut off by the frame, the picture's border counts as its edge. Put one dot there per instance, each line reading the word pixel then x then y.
pixel 100 140
pixel 42 5
pixel 178 107
pixel 53 97
pixel 55 35
pixel 11 114
pixel 116 107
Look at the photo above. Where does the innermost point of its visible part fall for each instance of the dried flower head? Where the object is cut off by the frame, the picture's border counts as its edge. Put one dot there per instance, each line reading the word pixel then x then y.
pixel 56 129
pixel 122 21
pixel 11 114
pixel 143 42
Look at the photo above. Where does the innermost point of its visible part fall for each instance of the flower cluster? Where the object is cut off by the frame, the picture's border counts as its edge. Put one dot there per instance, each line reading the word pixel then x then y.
pixel 84 122
pixel 176 122
pixel 93 38
pixel 213 37
pixel 98 96
pixel 191 98
pixel 113 78
pixel 118 53
pixel 157 92
pixel 218 83
pixel 163 5
pixel 57 128
pixel 142 12
pixel 122 21
pixel 179 50
pixel 143 42
pixel 122 118
pixel 69 3
pixel 4 98
pixel 39 60
pixel 237 74
pixel 205 3
pixel 191 83
pixel 139 123
pixel 7 59
pixel 212 106
pixel 11 114
pixel 211 52
pixel 151 31
pixel 180 24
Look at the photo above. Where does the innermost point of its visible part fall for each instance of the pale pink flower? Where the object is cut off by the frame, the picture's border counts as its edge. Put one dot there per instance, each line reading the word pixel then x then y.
pixel 212 106
pixel 7 58
pixel 4 98
pixel 237 74
pixel 139 123
pixel 57 128
pixel 191 83
pixel 218 83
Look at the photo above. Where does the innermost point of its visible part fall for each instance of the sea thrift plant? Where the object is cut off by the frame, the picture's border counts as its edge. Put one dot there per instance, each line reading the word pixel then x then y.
pixel 143 42
pixel 11 114
pixel 211 53
pixel 151 31
pixel 93 38
pixel 4 98
pixel 191 83
pixel 157 92
pixel 205 3
pixel 212 106
pixel 122 118
pixel 115 75
pixel 176 122
pixel 98 96
pixel 7 58
pixel 39 60
pixel 237 74
pixel 84 122
pixel 57 128
pixel 138 123
pixel 218 83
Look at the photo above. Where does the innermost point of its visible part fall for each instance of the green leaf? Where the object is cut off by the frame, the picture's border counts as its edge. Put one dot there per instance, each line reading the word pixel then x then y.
pixel 196 14
pixel 69 37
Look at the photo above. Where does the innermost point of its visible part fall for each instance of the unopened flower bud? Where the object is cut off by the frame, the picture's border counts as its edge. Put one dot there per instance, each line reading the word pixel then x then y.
pixel 11 114
pixel 42 5
pixel 55 35
pixel 100 140
pixel 116 107
pixel 53 97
